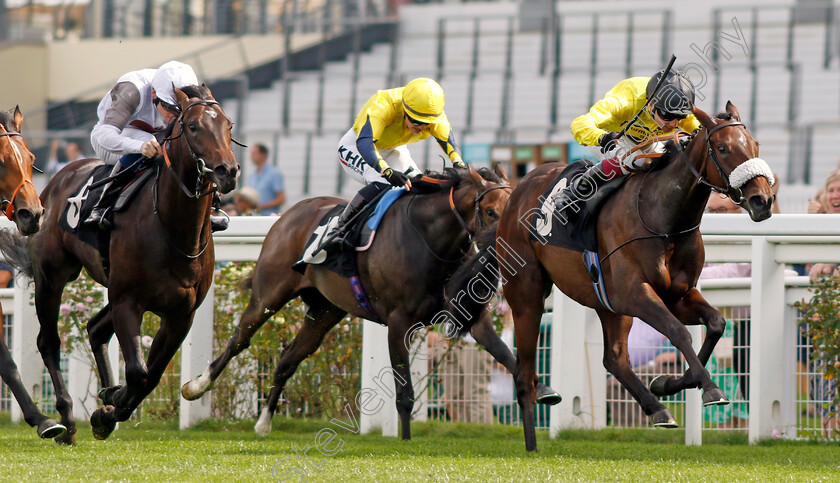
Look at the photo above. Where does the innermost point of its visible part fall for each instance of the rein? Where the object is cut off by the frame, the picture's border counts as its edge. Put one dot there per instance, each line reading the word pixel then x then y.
pixel 10 203
pixel 454 210
pixel 201 168
pixel 697 175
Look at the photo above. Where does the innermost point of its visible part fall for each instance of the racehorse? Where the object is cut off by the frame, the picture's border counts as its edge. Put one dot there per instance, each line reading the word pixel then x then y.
pixel 422 238
pixel 22 206
pixel 161 258
pixel 651 256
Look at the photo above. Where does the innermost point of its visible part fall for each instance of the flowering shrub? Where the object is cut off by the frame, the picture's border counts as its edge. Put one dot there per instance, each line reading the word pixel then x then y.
pixel 821 323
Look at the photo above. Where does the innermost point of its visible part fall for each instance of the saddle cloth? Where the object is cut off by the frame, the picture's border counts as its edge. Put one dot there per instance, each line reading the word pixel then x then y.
pixel 361 233
pixel 82 202
pixel 572 226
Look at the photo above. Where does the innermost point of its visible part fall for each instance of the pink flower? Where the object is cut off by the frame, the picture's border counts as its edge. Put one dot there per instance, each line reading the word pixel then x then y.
pixel 89 299
pixel 80 307
pixel 146 340
pixel 65 309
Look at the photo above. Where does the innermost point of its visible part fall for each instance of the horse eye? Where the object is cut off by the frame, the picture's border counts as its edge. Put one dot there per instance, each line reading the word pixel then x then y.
pixel 722 148
pixel 491 213
pixel 193 126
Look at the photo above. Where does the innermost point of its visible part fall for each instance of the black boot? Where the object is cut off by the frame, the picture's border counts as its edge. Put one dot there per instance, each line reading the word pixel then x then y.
pixel 583 187
pixel 97 216
pixel 337 233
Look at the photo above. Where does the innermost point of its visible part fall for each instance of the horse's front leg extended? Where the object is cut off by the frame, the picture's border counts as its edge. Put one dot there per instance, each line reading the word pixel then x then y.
pixel 653 311
pixel 693 309
pixel 401 372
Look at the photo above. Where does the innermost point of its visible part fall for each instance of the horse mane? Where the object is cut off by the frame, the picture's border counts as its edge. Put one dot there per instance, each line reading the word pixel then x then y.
pixel 7 121
pixel 447 178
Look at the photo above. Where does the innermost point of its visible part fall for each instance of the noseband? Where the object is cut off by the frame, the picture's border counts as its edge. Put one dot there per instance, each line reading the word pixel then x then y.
pixel 10 203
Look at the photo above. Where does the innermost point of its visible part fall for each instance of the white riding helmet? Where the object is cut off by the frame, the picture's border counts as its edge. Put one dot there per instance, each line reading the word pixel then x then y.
pixel 169 74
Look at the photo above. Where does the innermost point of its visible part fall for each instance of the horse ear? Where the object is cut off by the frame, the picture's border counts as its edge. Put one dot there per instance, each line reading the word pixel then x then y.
pixel 704 118
pixel 501 173
pixel 17 119
pixel 180 96
pixel 733 111
pixel 209 94
pixel 476 178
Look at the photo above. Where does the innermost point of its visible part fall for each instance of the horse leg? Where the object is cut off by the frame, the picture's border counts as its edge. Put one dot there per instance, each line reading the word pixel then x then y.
pixel 401 367
pixel 47 301
pixel 47 427
pixel 126 317
pixel 524 294
pixel 484 333
pixel 652 310
pixel 100 329
pixel 617 361
pixel 268 295
pixel 693 309
pixel 320 318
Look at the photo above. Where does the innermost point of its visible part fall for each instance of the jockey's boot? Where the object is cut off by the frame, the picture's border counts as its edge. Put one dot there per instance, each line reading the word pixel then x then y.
pixel 587 184
pixel 218 222
pixel 98 216
pixel 335 235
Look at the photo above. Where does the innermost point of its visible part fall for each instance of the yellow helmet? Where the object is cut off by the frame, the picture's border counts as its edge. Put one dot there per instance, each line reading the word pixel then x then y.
pixel 423 100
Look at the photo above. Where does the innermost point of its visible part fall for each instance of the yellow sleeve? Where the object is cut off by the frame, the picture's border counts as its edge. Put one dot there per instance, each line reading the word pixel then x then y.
pixel 608 114
pixel 376 115
pixel 442 132
pixel 689 124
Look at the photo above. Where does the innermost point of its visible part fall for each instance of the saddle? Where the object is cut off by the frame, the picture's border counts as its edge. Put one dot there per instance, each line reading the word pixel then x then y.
pixel 82 202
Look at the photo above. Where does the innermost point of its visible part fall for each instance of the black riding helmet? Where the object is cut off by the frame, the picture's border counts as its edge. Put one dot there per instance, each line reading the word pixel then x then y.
pixel 675 96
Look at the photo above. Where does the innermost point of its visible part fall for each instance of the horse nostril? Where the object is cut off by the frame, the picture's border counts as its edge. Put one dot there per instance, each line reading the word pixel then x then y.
pixel 760 203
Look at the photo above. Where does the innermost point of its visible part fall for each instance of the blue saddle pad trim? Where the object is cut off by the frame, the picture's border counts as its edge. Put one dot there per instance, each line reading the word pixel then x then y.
pixel 593 267
pixel 385 202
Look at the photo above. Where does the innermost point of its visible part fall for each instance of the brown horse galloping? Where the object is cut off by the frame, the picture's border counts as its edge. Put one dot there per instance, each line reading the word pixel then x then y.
pixel 21 204
pixel 421 240
pixel 652 254
pixel 161 256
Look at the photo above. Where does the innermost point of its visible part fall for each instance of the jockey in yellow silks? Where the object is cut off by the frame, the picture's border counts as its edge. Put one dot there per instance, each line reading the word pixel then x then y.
pixel 374 150
pixel 669 109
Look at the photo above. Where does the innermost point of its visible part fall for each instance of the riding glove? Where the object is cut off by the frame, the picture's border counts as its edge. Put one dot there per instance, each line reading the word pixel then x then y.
pixel 608 141
pixel 396 178
pixel 459 164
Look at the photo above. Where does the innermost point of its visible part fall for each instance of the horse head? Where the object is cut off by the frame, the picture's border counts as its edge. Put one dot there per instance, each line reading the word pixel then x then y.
pixel 18 197
pixel 492 190
pixel 738 171
pixel 205 129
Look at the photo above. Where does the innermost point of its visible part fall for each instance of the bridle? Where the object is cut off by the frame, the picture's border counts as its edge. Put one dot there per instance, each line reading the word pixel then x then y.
pixel 454 210
pixel 734 193
pixel 201 169
pixel 9 204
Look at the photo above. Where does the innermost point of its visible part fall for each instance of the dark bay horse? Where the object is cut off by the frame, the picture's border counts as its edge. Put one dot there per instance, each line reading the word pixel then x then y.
pixel 421 240
pixel 651 252
pixel 22 205
pixel 161 257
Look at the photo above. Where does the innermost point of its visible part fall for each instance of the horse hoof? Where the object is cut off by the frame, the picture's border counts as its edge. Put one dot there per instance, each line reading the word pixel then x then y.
pixel 49 429
pixel 663 419
pixel 67 438
pixel 106 394
pixel 547 395
pixel 714 397
pixel 101 429
pixel 196 388
pixel 657 385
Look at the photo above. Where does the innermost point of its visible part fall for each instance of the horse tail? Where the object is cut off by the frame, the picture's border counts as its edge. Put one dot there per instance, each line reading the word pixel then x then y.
pixel 15 248
pixel 247 282
pixel 474 283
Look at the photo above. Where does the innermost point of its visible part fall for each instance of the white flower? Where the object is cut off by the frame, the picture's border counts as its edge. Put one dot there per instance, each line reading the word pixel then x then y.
pixel 146 340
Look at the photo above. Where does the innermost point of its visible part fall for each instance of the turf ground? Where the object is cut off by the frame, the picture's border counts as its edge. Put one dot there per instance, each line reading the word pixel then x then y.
pixel 218 451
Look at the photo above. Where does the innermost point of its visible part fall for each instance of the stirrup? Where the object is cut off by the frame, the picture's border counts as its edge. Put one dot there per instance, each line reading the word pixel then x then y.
pixel 99 217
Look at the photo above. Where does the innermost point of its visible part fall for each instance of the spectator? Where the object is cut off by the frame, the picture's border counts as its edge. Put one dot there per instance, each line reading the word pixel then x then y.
pixel 268 181
pixel 821 389
pixel 245 201
pixel 72 152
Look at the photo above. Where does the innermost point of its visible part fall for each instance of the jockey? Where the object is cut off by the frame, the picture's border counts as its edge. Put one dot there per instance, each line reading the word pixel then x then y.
pixel 140 104
pixel 373 151
pixel 669 109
